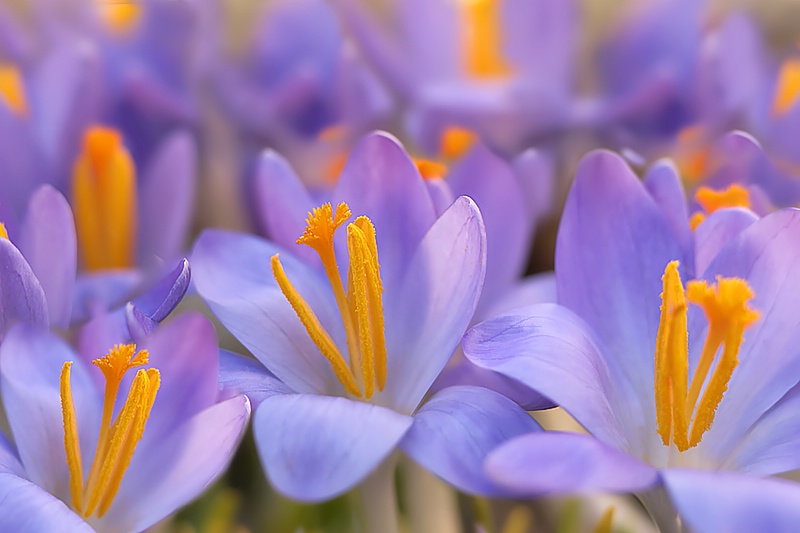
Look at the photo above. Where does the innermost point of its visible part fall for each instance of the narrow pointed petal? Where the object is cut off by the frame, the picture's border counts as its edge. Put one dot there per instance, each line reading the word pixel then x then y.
pixel 177 469
pixel 244 375
pixel 30 372
pixel 722 501
pixel 556 463
pixel 21 296
pixel 28 508
pixel 232 274
pixel 166 200
pixel 437 300
pixel 161 299
pixel 455 430
pixel 316 447
pixel 47 240
pixel 664 185
pixel 550 350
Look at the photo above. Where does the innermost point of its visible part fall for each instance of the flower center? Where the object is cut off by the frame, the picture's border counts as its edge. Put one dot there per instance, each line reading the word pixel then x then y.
pixel 104 201
pixel 360 307
pixel 482 39
pixel 683 415
pixel 712 200
pixel 787 90
pixel 118 438
pixel 12 89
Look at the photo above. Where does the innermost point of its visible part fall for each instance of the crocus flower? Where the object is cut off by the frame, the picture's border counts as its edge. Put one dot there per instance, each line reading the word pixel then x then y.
pixel 78 464
pixel 356 354
pixel 638 375
pixel 501 68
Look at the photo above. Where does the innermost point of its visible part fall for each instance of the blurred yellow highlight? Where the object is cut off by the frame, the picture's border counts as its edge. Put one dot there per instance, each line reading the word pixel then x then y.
pixel 482 39
pixel 120 16
pixel 456 142
pixel 712 200
pixel 12 89
pixel 104 201
pixel 787 89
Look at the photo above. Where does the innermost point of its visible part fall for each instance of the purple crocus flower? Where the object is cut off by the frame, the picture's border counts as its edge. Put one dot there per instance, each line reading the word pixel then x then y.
pixel 606 347
pixel 501 68
pixel 77 465
pixel 330 421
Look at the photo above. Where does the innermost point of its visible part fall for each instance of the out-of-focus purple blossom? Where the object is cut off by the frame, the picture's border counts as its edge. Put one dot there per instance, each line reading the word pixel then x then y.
pixel 319 434
pixel 593 354
pixel 189 432
pixel 504 69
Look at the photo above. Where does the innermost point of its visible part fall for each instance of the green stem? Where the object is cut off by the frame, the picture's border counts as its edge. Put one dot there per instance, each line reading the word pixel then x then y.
pixel 432 505
pixel 379 499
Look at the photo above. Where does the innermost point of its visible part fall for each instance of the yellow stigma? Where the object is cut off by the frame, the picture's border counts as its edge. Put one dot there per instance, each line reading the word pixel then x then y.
pixel 118 437
pixel 120 16
pixel 456 141
pixel 711 200
pixel 787 90
pixel 360 307
pixel 482 39
pixel 3 231
pixel 104 201
pixel 12 89
pixel 683 415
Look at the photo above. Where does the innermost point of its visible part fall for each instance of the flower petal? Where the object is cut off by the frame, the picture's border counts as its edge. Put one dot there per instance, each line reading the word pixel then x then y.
pixel 563 463
pixel 455 430
pixel 173 471
pixel 490 181
pixel 47 240
pixel 28 508
pixel 244 375
pixel 30 372
pixel 723 501
pixel 233 275
pixel 166 199
pixel 767 256
pixel 9 459
pixel 716 231
pixel 316 447
pixel 282 204
pixel 549 349
pixel 435 304
pixel 664 185
pixel 613 245
pixel 21 296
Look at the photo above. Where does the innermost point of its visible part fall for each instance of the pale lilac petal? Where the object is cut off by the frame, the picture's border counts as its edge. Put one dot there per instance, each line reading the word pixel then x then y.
pixel 716 231
pixel 549 349
pixel 664 185
pixel 9 459
pixel 772 445
pixel 170 473
pixel 723 501
pixel 47 240
pixel 436 302
pixel 455 430
pixel 536 289
pixel 494 187
pixel 767 256
pixel 316 447
pixel 613 245
pixel 28 508
pixel 22 299
pixel 556 463
pixel 441 195
pixel 97 292
pixel 185 351
pixel 159 301
pixel 380 181
pixel 232 273
pixel 537 175
pixel 166 199
pixel 30 372
pixel 282 204
pixel 244 375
